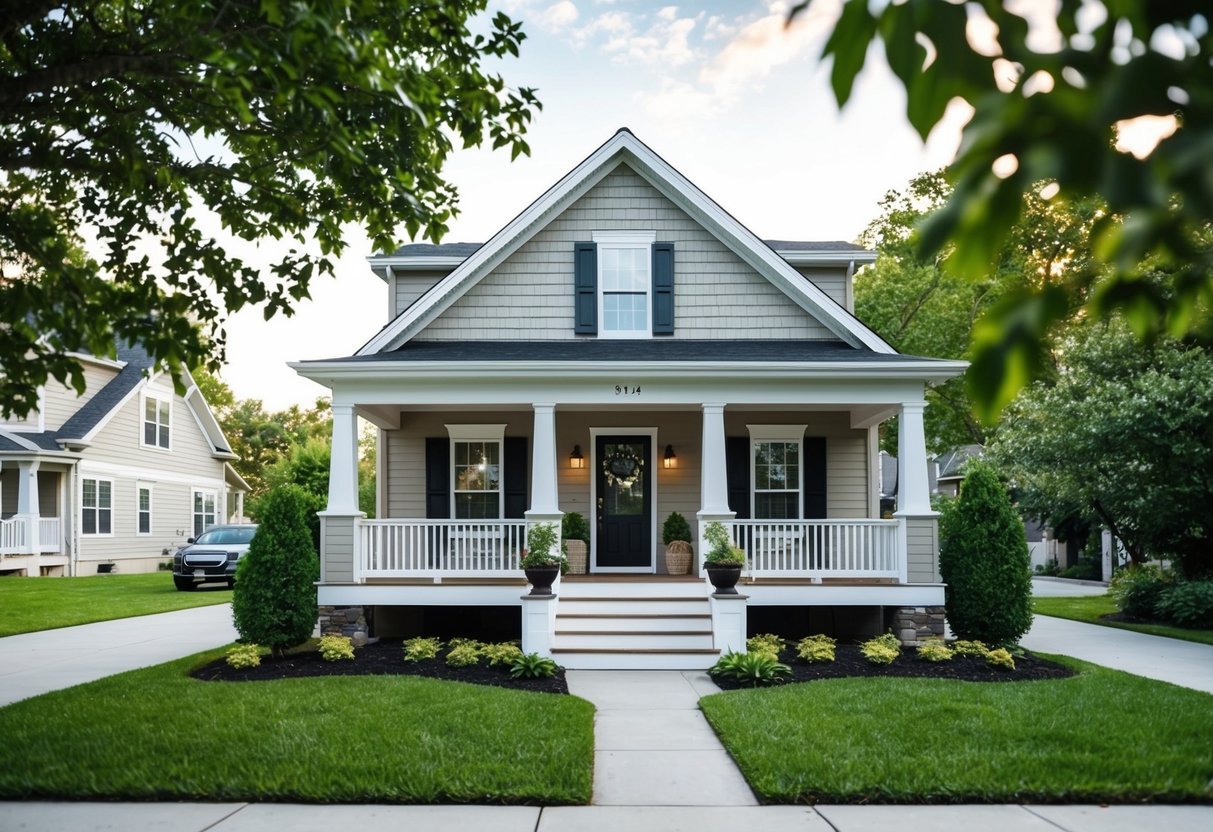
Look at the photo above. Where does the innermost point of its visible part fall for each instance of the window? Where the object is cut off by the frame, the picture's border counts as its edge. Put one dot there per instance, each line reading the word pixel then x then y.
pixel 625 262
pixel 156 420
pixel 776 456
pixel 96 506
pixel 144 514
pixel 476 492
pixel 204 510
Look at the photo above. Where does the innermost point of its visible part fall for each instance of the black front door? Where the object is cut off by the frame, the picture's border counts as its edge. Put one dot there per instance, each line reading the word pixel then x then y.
pixel 625 520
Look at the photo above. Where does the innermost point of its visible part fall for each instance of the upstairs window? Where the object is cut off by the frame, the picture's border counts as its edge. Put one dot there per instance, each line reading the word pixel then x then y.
pixel 624 285
pixel 157 419
pixel 624 280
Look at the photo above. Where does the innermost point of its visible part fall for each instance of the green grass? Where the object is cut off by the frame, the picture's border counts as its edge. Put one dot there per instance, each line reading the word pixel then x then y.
pixel 156 734
pixel 32 604
pixel 1089 608
pixel 1101 736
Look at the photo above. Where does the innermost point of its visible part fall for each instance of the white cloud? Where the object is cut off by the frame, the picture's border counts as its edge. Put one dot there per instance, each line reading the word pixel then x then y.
pixel 665 43
pixel 557 16
pixel 679 101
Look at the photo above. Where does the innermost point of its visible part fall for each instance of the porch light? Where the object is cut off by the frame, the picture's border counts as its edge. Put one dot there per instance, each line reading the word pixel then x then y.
pixel 576 460
pixel 670 460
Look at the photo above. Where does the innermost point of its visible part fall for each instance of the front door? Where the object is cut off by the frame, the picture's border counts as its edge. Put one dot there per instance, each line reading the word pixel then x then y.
pixel 625 519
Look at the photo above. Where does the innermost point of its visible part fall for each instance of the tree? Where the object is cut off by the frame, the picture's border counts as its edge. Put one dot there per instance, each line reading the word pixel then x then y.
pixel 1054 114
pixel 274 601
pixel 1123 439
pixel 983 559
pixel 136 123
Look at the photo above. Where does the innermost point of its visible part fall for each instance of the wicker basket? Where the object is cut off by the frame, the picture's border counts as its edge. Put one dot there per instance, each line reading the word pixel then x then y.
pixel 678 557
pixel 577 556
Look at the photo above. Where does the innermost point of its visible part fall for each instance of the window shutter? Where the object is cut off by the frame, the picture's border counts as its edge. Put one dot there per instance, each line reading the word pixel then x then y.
pixel 737 474
pixel 585 288
pixel 437 478
pixel 814 478
pixel 513 476
pixel 663 288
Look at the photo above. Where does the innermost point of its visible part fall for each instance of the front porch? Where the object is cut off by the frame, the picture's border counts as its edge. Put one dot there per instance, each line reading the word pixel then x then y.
pixel 32 532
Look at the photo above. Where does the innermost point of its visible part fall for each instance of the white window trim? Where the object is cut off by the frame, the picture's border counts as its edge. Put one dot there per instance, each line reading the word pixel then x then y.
pixel 625 239
pixel 478 433
pixel 158 397
pixel 151 502
pixel 194 515
pixel 97 508
pixel 777 433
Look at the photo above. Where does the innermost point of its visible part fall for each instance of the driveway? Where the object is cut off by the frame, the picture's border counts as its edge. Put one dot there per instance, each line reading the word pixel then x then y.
pixel 1056 587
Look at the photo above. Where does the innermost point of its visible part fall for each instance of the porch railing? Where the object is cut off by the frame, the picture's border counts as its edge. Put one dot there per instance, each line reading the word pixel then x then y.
pixel 12 536
pixel 819 548
pixel 49 535
pixel 440 549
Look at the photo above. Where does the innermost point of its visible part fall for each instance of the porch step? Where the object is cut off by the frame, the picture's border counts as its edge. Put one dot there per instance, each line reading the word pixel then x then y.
pixel 634 641
pixel 623 622
pixel 635 605
pixel 669 588
pixel 690 659
pixel 648 629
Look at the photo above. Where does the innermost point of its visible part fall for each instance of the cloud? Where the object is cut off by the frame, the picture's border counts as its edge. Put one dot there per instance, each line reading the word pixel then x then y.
pixel 557 16
pixel 679 101
pixel 666 42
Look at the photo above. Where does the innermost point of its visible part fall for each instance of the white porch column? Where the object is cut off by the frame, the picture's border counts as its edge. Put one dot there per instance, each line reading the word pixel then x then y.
pixel 27 506
pixel 713 477
pixel 343 464
pixel 544 496
pixel 913 490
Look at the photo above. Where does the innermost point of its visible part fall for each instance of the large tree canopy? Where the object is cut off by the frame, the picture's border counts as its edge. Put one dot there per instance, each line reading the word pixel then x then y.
pixel 1051 96
pixel 125 124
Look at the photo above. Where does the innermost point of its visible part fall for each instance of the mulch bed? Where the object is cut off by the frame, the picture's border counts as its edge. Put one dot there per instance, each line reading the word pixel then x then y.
pixel 848 661
pixel 383 658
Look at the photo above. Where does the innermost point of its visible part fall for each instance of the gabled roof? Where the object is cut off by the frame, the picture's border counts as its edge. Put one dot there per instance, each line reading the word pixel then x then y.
pixel 624 147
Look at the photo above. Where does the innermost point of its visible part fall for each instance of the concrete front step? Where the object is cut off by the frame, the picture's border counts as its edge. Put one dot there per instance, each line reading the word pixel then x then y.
pixel 634 589
pixel 584 659
pixel 632 640
pixel 649 622
pixel 645 605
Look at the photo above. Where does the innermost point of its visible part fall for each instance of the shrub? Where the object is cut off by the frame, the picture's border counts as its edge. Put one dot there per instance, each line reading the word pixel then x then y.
pixel 532 666
pixel 984 562
pixel 1086 569
pixel 463 655
pixel 244 655
pixel 460 642
pixel 335 648
pixel 1138 589
pixel 721 551
pixel 767 644
pixel 274 600
pixel 540 546
pixel 1000 658
pixel 751 669
pixel 882 649
pixel 501 654
pixel 934 650
pixel 819 648
pixel 1187 604
pixel 420 649
pixel 1049 568
pixel 574 527
pixel 674 528
pixel 976 649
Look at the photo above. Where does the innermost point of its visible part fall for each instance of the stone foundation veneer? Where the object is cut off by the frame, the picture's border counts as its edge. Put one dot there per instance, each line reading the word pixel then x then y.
pixel 914 625
pixel 345 621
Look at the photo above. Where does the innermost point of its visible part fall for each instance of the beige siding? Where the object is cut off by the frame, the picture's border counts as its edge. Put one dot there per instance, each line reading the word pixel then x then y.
pixel 922 545
pixel 408 286
pixel 834 282
pixel 8 490
pixel 530 295
pixel 337 546
pixel 60 403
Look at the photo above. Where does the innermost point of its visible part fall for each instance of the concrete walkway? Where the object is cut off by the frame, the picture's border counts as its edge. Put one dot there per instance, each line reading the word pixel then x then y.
pixel 1044 587
pixel 34 663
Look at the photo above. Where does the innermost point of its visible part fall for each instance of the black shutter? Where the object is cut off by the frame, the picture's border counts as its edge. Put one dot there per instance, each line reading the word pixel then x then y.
pixel 513 477
pixel 737 474
pixel 437 478
pixel 585 288
pixel 814 478
pixel 663 288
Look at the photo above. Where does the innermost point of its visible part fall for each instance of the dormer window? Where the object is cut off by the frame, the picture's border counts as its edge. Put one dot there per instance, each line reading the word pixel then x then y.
pixel 624 285
pixel 157 420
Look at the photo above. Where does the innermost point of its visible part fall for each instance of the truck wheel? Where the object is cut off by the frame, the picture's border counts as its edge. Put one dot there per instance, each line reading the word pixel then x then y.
pixel 184 584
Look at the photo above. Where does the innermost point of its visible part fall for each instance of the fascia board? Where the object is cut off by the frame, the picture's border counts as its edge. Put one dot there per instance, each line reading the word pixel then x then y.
pixel 207 423
pixel 801 257
pixel 88 358
pixel 380 264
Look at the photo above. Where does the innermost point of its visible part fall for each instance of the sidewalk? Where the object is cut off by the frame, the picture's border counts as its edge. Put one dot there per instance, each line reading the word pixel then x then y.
pixel 34 663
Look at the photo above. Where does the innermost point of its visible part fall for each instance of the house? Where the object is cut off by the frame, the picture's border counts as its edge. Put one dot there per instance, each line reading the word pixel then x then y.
pixel 109 479
pixel 624 348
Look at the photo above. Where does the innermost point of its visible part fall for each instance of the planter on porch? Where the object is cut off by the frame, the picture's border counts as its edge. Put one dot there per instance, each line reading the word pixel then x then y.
pixel 724 577
pixel 541 578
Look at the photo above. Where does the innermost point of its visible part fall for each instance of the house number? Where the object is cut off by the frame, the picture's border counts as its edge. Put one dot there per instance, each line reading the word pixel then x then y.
pixel 627 390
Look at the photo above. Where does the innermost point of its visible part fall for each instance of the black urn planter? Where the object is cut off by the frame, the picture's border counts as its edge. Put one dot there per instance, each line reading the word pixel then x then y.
pixel 541 578
pixel 724 577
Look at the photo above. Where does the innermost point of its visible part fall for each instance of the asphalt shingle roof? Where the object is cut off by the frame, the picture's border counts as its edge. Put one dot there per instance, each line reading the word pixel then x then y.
pixel 468 249
pixel 108 397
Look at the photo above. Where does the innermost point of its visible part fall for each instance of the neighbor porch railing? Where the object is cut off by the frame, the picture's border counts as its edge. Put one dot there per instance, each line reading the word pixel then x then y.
pixel 440 549
pixel 820 548
pixel 12 536
pixel 49 535
pixel 17 533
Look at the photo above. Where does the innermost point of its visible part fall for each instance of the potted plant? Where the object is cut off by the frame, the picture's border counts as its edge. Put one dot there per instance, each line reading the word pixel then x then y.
pixel 540 561
pixel 676 535
pixel 723 560
pixel 575 532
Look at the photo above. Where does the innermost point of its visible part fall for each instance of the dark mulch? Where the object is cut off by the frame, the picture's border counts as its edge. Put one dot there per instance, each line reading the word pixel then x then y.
pixel 383 658
pixel 849 661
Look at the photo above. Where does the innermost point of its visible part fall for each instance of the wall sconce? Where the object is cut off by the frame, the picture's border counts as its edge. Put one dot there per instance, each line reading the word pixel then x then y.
pixel 670 461
pixel 576 460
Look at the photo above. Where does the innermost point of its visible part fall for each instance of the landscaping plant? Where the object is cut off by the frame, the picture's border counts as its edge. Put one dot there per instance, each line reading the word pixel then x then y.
pixel 768 644
pixel 883 649
pixel 1187 604
pixel 419 649
pixel 983 560
pixel 244 655
pixel 934 650
pixel 674 528
pixel 969 648
pixel 1000 658
pixel 274 600
pixel 463 655
pixel 532 666
pixel 336 648
pixel 751 669
pixel 503 653
pixel 818 648
pixel 1137 589
pixel 721 551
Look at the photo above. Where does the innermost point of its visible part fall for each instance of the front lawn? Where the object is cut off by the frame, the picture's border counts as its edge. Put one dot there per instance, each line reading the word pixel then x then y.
pixel 156 734
pixel 32 604
pixel 1100 736
pixel 1091 608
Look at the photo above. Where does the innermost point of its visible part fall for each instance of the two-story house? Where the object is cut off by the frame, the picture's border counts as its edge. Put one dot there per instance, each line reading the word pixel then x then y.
pixel 108 479
pixel 625 348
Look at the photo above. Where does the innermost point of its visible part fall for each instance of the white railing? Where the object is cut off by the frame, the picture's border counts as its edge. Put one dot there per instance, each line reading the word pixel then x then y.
pixel 49 537
pixel 819 548
pixel 440 549
pixel 12 535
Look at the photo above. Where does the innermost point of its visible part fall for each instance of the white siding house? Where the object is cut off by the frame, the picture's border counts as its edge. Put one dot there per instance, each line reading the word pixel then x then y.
pixel 625 349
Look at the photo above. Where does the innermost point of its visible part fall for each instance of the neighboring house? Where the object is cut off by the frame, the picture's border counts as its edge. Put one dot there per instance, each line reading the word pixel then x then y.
pixel 624 348
pixel 109 479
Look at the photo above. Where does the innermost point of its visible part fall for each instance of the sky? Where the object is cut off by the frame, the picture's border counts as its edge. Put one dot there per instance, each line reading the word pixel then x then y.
pixel 728 95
